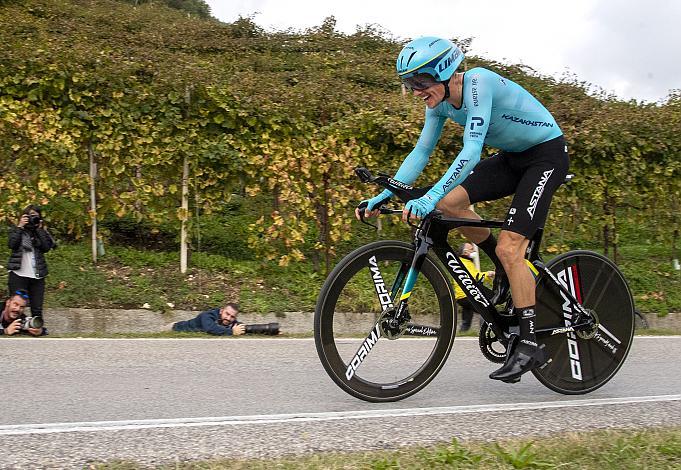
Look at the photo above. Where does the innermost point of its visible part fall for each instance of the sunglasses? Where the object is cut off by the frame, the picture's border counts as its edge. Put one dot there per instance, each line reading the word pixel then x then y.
pixel 420 81
pixel 21 293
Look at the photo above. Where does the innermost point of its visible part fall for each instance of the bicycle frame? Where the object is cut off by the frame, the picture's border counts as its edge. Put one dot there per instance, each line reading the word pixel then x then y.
pixel 432 233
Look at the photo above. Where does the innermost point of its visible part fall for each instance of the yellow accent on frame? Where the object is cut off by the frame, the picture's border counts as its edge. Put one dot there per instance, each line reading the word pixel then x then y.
pixel 532 268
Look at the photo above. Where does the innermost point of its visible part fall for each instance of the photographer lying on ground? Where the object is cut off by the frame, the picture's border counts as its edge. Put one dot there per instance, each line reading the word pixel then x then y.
pixel 13 321
pixel 222 321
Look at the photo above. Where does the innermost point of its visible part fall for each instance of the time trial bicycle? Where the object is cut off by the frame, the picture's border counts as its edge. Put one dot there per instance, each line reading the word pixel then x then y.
pixel 389 292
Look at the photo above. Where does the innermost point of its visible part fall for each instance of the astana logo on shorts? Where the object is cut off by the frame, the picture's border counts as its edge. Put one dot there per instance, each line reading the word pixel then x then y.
pixel 538 191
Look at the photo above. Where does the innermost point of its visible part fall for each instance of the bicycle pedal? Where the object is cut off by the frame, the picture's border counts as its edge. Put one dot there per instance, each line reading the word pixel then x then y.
pixel 512 381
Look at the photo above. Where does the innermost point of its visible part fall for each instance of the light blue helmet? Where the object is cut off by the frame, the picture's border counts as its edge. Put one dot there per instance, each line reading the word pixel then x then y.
pixel 435 56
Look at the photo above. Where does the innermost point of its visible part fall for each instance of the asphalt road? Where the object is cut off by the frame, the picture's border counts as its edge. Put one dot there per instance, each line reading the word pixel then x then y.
pixel 70 402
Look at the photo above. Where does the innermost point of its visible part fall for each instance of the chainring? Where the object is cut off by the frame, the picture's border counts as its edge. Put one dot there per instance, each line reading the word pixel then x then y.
pixel 491 348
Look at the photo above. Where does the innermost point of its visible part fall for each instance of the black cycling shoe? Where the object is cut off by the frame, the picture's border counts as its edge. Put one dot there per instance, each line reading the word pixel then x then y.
pixel 510 349
pixel 501 287
pixel 520 361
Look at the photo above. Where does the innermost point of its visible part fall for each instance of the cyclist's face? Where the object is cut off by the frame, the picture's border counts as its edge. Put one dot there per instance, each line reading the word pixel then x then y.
pixel 432 95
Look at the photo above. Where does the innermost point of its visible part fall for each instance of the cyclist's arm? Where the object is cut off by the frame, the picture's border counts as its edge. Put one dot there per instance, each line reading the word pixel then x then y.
pixel 477 124
pixel 415 162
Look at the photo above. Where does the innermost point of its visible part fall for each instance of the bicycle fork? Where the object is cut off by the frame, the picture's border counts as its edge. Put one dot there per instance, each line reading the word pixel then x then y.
pixel 393 325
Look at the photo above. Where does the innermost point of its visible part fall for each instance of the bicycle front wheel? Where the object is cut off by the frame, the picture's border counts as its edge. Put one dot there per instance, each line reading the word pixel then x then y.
pixel 353 349
pixel 581 362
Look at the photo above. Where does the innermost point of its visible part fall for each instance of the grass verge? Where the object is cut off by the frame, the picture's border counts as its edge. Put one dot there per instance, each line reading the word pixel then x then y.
pixel 129 278
pixel 598 450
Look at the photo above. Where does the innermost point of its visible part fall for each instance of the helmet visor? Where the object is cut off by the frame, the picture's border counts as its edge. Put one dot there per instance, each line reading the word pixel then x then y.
pixel 420 81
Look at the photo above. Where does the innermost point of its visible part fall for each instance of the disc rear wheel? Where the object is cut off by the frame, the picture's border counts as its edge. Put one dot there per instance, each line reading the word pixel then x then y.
pixel 582 361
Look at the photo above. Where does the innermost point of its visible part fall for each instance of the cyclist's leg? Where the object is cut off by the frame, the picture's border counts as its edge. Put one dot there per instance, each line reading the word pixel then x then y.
pixel 457 204
pixel 511 252
pixel 491 179
pixel 545 168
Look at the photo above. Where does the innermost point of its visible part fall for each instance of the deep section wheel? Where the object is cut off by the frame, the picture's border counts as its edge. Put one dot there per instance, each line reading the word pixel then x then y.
pixel 582 361
pixel 364 347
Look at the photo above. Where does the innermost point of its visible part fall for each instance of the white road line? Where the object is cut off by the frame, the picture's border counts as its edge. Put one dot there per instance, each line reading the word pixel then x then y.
pixel 51 428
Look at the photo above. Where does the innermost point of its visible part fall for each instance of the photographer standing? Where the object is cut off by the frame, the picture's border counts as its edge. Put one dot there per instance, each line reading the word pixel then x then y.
pixel 29 241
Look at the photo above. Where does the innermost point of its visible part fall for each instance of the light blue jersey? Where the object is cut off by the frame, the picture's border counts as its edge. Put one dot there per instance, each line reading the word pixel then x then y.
pixel 495 111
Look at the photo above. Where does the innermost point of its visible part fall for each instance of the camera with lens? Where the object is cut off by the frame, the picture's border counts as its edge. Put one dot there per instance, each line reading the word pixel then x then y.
pixel 31 322
pixel 263 329
pixel 33 221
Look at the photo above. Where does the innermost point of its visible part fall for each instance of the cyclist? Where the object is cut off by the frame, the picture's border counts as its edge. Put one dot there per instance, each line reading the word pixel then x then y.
pixel 531 164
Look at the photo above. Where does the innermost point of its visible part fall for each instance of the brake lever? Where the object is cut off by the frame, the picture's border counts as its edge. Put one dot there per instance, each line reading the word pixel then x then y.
pixel 361 219
pixel 409 222
pixel 433 214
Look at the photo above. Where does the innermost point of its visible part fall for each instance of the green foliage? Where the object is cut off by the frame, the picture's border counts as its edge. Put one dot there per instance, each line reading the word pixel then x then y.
pixel 385 463
pixel 656 286
pixel 196 7
pixel 284 116
pixel 452 455
pixel 522 457
pixel 127 277
pixel 592 450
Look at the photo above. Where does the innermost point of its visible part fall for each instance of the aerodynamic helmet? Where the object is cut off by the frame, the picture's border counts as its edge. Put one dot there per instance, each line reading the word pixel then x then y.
pixel 430 55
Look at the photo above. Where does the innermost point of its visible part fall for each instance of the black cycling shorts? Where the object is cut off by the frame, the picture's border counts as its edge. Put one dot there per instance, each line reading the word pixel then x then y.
pixel 532 175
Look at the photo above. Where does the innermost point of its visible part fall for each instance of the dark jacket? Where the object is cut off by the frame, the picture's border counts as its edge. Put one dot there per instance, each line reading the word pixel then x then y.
pixel 42 243
pixel 207 322
pixel 5 323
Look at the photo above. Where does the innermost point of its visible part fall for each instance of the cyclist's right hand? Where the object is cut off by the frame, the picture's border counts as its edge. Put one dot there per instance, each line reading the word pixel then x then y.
pixel 371 206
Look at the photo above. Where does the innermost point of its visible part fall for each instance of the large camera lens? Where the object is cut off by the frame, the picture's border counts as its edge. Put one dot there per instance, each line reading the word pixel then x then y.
pixel 32 322
pixel 263 329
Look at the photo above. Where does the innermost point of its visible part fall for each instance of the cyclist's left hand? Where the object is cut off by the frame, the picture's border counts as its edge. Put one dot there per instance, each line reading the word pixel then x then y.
pixel 419 208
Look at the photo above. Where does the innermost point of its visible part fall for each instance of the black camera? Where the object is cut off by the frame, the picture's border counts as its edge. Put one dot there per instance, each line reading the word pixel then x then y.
pixel 263 329
pixel 32 322
pixel 33 221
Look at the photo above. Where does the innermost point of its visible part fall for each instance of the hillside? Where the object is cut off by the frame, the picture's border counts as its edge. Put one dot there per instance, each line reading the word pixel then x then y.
pixel 280 118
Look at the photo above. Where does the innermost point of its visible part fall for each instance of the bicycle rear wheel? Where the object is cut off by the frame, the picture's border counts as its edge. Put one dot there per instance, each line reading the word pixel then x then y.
pixel 354 351
pixel 578 363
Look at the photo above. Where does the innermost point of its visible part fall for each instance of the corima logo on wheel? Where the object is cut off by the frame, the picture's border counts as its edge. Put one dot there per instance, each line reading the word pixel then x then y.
pixel 567 278
pixel 363 352
pixel 379 284
pixel 386 302
pixel 461 274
